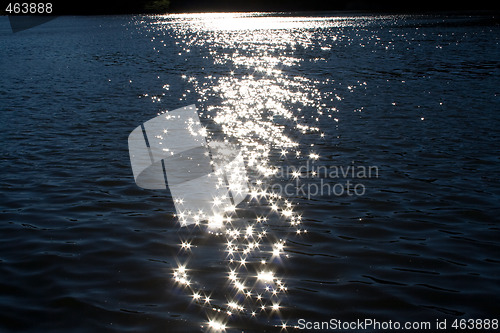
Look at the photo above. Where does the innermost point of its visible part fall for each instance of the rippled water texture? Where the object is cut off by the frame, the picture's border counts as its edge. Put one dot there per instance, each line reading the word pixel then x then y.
pixel 306 98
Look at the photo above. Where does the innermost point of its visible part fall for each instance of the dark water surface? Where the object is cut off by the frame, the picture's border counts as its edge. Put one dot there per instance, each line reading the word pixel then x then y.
pixel 82 248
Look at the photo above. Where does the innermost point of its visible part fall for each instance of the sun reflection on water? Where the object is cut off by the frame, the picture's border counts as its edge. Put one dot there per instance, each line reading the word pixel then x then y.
pixel 256 97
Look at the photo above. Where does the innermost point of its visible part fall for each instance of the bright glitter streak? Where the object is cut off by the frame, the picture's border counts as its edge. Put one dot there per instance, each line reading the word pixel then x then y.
pixel 216 222
pixel 239 286
pixel 266 276
pixel 215 325
pixel 262 110
pixel 313 156
pixel 217 201
pixel 278 248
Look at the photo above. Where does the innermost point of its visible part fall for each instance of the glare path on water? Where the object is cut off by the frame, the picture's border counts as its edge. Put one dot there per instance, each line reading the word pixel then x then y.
pixel 260 107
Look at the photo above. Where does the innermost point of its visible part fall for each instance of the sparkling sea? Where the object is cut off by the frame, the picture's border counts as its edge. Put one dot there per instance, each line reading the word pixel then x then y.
pixel 386 128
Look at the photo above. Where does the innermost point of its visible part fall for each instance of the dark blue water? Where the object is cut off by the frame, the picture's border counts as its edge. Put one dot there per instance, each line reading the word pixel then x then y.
pixel 83 248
